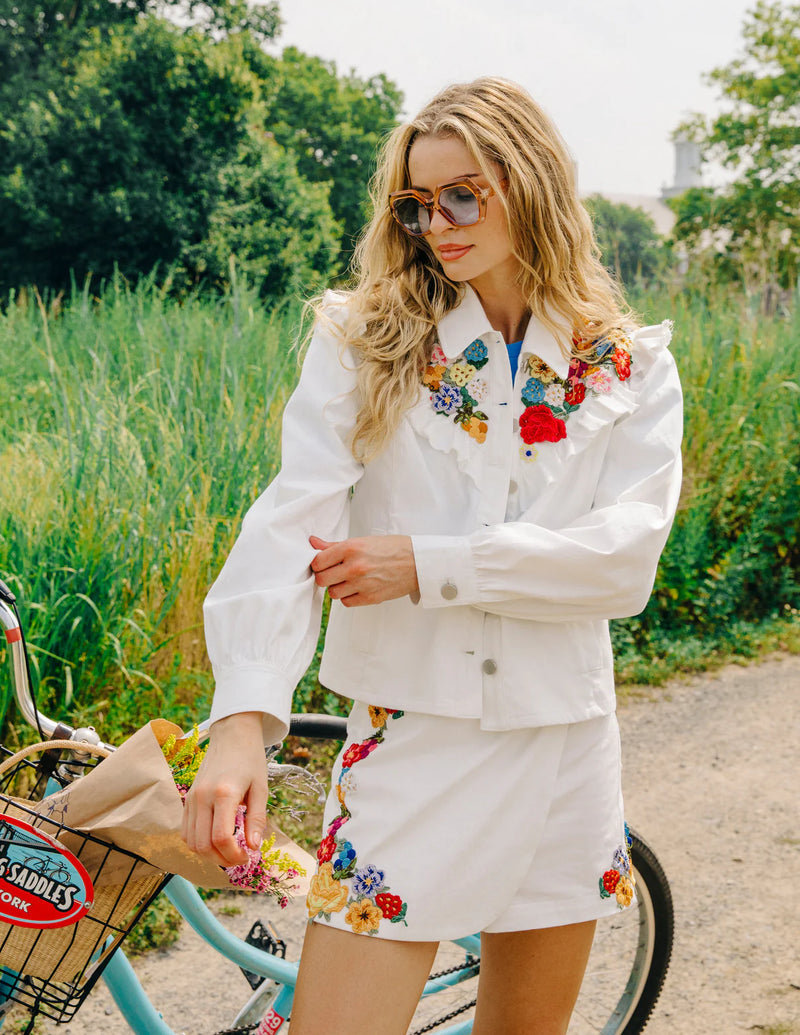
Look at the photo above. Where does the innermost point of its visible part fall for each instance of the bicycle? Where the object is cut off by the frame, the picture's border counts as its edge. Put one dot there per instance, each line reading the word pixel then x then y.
pixel 625 975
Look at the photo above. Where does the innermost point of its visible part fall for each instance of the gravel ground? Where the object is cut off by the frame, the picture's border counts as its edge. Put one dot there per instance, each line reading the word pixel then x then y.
pixel 711 780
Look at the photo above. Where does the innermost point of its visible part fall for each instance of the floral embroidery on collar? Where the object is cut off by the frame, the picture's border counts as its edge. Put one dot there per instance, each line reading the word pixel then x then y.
pixel 550 399
pixel 457 390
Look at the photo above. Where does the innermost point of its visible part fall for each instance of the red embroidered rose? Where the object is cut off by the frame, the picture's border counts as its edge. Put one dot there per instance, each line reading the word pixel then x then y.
pixel 622 361
pixel 576 393
pixel 610 880
pixel 351 756
pixel 326 849
pixel 389 905
pixel 539 424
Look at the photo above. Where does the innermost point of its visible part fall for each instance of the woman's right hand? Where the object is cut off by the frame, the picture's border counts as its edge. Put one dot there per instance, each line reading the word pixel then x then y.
pixel 232 773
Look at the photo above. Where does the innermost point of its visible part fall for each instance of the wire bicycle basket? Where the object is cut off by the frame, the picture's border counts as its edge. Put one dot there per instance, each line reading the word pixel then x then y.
pixel 67 900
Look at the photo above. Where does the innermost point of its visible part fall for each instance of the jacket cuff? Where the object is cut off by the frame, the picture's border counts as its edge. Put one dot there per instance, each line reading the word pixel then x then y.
pixel 254 690
pixel 445 571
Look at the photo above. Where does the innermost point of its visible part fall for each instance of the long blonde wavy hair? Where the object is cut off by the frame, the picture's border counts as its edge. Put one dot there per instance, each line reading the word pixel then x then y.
pixel 401 292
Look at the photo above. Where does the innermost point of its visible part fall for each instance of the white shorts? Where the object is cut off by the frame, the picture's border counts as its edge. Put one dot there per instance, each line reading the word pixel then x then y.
pixel 435 829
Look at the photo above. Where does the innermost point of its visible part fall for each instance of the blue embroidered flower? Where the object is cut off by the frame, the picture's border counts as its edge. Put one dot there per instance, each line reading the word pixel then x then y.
pixel 621 861
pixel 447 399
pixel 345 857
pixel 533 392
pixel 368 881
pixel 477 354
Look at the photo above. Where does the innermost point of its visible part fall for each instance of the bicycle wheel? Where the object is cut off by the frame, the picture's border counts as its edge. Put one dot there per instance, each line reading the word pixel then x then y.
pixel 630 955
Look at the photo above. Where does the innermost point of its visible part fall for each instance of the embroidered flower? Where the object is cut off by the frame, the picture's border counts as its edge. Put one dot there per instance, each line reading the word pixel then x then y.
pixel 624 892
pixel 364 916
pixel 539 424
pixel 528 453
pixel 477 429
pixel 378 716
pixel 477 354
pixel 540 370
pixel 433 377
pixel 533 392
pixel 554 395
pixel 575 394
pixel 325 894
pixel 327 848
pixel 438 357
pixel 446 400
pixel 462 373
pixel 622 362
pixel 478 389
pixel 603 347
pixel 618 880
pixel 392 906
pixel 345 859
pixel 599 380
pixel 368 881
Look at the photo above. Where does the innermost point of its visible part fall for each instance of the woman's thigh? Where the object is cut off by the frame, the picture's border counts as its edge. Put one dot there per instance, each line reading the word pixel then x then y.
pixel 350 984
pixel 530 979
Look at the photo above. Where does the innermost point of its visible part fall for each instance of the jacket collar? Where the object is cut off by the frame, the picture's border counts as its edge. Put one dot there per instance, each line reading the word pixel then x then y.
pixel 462 325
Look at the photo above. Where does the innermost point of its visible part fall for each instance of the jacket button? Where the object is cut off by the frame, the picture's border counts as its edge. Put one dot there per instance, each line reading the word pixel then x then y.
pixel 489 666
pixel 512 486
pixel 449 591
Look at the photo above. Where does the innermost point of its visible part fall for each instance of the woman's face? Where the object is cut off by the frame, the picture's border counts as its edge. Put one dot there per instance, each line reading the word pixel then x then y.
pixel 481 253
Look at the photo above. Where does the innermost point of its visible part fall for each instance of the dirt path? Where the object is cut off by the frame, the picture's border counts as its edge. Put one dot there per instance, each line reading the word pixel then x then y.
pixel 712 780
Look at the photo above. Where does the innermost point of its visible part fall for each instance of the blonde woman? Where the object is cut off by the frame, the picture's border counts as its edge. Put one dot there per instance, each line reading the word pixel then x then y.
pixel 481 463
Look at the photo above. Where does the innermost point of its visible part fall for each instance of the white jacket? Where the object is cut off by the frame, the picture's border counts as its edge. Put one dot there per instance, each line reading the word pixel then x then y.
pixel 521 562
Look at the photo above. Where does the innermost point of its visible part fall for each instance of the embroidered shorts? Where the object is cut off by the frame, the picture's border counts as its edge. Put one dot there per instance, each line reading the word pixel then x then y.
pixel 435 829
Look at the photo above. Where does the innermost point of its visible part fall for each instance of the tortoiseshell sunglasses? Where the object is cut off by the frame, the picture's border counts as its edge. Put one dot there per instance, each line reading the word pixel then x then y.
pixel 461 202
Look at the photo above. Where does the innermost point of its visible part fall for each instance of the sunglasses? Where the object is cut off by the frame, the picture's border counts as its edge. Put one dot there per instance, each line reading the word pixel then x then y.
pixel 461 202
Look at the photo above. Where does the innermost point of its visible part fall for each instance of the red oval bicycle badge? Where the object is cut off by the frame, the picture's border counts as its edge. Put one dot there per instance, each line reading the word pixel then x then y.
pixel 42 884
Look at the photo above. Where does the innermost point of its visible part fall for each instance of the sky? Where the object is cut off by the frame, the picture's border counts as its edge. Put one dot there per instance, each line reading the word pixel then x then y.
pixel 617 76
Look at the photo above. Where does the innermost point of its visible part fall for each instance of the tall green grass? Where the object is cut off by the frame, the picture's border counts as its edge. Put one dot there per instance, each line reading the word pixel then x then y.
pixel 135 429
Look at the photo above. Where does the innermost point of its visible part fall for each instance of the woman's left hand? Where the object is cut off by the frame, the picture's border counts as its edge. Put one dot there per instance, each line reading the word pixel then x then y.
pixel 366 570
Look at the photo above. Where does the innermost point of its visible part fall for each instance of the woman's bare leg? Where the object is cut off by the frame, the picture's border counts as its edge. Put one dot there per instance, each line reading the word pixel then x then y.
pixel 530 979
pixel 351 984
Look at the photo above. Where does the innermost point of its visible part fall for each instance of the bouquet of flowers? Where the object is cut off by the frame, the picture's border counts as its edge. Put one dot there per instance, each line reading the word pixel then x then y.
pixel 268 870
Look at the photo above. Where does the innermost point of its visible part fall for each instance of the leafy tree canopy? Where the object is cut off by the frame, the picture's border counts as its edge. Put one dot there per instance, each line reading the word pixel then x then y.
pixel 754 222
pixel 629 243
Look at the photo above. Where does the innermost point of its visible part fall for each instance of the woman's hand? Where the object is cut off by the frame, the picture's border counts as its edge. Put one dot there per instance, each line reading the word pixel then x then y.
pixel 367 570
pixel 232 773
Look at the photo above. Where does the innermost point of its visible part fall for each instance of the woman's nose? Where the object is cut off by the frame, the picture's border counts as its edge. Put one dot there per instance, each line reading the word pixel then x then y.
pixel 439 223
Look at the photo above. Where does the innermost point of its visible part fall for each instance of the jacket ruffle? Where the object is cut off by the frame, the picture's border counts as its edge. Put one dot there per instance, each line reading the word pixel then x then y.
pixel 445 435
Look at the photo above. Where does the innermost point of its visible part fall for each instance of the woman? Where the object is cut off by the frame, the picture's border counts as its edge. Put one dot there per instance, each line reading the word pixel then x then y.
pixel 481 464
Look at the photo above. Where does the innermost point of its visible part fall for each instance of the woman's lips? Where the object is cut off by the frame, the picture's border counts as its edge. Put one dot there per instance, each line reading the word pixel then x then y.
pixel 448 252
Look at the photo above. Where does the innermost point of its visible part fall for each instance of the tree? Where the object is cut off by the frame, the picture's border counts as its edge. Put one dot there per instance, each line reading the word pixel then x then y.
pixel 334 125
pixel 753 223
pixel 629 243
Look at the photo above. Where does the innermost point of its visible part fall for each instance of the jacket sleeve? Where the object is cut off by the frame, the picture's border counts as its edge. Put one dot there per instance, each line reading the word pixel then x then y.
pixel 601 565
pixel 262 615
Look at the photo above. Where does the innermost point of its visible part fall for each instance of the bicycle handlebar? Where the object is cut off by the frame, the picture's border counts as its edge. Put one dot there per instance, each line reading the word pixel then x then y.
pixel 21 684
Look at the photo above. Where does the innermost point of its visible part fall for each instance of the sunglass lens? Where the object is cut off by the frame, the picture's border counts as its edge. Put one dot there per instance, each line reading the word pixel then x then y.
pixel 460 205
pixel 413 215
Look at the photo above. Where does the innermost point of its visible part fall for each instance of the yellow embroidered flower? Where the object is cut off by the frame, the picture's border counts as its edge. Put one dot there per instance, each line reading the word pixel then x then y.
pixel 378 716
pixel 462 373
pixel 624 891
pixel 326 895
pixel 433 377
pixel 363 916
pixel 540 370
pixel 477 428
